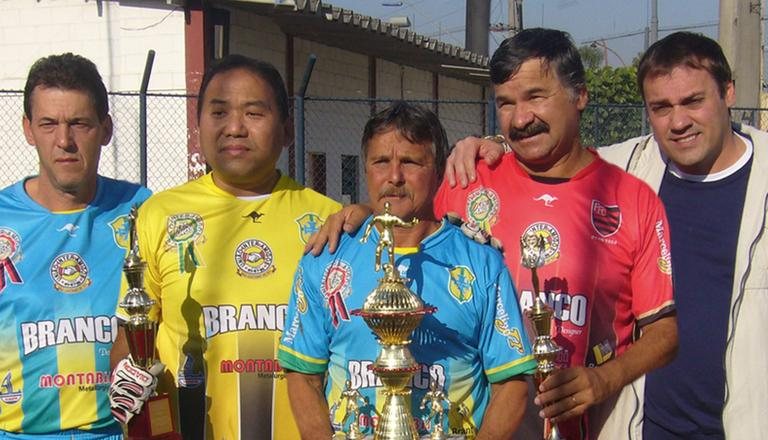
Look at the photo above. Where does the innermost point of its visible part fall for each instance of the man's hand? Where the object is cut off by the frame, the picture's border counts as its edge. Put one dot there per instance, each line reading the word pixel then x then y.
pixel 347 220
pixel 570 392
pixel 131 386
pixel 461 162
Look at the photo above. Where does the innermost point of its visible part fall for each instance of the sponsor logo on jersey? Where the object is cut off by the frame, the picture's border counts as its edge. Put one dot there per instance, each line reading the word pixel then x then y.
pixel 69 273
pixel 41 334
pixel 85 380
pixel 605 219
pixel 263 367
pixel 10 253
pixel 361 375
pixel 665 260
pixel 603 352
pixel 308 223
pixel 254 216
pixel 336 285
pixel 254 259
pixel 225 318
pixel 573 308
pixel 501 324
pixel 482 207
pixel 298 286
pixel 551 238
pixel 548 199
pixel 460 283
pixel 190 375
pixel 8 394
pixel 121 230
pixel 70 229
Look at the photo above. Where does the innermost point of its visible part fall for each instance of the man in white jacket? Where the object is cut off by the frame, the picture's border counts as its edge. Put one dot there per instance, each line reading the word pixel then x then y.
pixel 712 176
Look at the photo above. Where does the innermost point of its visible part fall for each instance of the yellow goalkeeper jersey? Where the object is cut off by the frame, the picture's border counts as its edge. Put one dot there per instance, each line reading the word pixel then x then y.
pixel 220 269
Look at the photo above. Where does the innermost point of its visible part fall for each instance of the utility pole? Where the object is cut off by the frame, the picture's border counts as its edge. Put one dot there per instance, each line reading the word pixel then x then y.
pixel 740 39
pixel 478 22
pixel 515 16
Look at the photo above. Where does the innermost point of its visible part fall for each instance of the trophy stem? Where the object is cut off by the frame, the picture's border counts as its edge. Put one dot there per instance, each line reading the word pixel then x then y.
pixel 396 421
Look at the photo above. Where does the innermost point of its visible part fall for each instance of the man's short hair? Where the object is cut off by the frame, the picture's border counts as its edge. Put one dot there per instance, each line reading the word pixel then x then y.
pixel 555 49
pixel 67 72
pixel 416 123
pixel 685 49
pixel 262 69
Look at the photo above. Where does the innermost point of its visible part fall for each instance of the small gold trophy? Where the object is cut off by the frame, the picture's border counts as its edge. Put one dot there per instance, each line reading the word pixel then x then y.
pixel 540 315
pixel 438 404
pixel 154 422
pixel 392 311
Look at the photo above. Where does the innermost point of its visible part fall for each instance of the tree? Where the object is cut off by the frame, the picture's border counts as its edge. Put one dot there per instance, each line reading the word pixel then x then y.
pixel 591 56
pixel 615 110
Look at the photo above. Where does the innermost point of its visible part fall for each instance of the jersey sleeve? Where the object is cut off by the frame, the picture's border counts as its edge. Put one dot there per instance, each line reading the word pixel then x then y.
pixel 304 344
pixel 652 273
pixel 504 345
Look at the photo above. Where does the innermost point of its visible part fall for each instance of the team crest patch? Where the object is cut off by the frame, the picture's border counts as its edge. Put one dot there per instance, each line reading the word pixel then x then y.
pixel 8 394
pixel 298 286
pixel 460 283
pixel 183 231
pixel 10 254
pixel 254 259
pixel 308 223
pixel 121 230
pixel 190 376
pixel 605 219
pixel 69 273
pixel 482 207
pixel 551 239
pixel 337 282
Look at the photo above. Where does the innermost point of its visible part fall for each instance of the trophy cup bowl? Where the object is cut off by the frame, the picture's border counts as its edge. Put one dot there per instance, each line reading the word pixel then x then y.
pixel 154 421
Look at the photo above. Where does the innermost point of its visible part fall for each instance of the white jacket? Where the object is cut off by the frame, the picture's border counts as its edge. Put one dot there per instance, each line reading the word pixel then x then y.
pixel 745 415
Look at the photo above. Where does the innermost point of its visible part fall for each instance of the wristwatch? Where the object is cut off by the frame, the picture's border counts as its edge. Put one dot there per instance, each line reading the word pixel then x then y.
pixel 499 139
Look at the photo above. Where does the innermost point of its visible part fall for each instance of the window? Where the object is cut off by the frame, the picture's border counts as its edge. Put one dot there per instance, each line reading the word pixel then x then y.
pixel 349 179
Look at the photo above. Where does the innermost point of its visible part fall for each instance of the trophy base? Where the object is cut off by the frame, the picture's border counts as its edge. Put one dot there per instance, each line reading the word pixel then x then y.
pixel 154 422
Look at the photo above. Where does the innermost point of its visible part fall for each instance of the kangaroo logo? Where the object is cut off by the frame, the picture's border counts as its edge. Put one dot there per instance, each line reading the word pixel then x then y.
pixel 70 228
pixel 254 216
pixel 547 199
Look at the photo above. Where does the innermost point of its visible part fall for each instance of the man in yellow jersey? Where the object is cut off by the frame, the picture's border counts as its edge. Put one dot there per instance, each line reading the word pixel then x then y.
pixel 221 253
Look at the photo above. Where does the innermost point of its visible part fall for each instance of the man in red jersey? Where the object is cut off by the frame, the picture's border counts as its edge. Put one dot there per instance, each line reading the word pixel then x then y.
pixel 607 270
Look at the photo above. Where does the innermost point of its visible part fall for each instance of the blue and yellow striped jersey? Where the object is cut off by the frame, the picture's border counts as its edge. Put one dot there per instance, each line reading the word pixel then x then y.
pixel 59 281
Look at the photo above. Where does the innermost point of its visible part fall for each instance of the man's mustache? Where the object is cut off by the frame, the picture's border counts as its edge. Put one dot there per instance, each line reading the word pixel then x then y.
pixel 528 131
pixel 393 192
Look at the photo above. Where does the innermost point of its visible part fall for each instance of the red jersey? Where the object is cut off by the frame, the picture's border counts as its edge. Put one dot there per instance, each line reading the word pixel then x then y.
pixel 607 265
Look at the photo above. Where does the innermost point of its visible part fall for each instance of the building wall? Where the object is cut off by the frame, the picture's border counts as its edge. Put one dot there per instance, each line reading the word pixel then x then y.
pixel 116 36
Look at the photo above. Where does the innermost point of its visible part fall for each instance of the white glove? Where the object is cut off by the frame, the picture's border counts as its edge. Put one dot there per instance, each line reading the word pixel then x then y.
pixel 131 386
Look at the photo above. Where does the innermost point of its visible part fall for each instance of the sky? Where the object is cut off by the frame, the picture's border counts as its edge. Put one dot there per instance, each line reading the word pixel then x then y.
pixel 585 20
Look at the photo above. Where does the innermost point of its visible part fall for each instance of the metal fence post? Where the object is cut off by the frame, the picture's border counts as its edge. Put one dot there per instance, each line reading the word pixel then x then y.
pixel 143 117
pixel 299 120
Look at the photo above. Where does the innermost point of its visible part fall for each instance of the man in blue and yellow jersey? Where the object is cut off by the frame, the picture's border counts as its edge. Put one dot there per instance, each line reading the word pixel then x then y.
pixel 473 349
pixel 63 234
pixel 221 253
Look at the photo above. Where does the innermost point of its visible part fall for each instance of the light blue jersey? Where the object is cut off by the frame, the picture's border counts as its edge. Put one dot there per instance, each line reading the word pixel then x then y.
pixel 475 338
pixel 59 281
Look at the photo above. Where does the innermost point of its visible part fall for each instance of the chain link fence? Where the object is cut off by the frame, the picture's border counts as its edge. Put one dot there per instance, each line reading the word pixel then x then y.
pixel 331 143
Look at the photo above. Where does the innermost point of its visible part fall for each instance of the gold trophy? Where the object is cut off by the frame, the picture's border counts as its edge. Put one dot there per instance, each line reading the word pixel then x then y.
pixel 392 311
pixel 154 422
pixel 544 349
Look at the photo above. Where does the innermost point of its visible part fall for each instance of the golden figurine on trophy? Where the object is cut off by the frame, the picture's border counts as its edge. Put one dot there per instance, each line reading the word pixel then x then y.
pixel 544 349
pixel 154 422
pixel 393 311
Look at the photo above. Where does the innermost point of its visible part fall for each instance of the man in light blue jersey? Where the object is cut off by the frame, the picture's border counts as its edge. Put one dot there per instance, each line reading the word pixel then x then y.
pixel 474 347
pixel 63 236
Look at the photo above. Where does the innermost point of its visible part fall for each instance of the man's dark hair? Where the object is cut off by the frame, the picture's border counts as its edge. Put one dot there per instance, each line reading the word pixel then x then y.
pixel 553 47
pixel 262 69
pixel 685 49
pixel 68 72
pixel 416 123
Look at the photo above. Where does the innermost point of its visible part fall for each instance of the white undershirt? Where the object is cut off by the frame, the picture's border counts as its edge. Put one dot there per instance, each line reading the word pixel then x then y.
pixel 714 177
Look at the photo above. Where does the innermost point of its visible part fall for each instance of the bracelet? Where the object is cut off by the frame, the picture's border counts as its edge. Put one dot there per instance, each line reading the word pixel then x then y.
pixel 499 139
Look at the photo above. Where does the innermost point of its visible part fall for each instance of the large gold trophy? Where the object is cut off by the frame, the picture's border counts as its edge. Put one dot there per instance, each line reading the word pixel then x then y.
pixel 545 350
pixel 154 422
pixel 392 311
